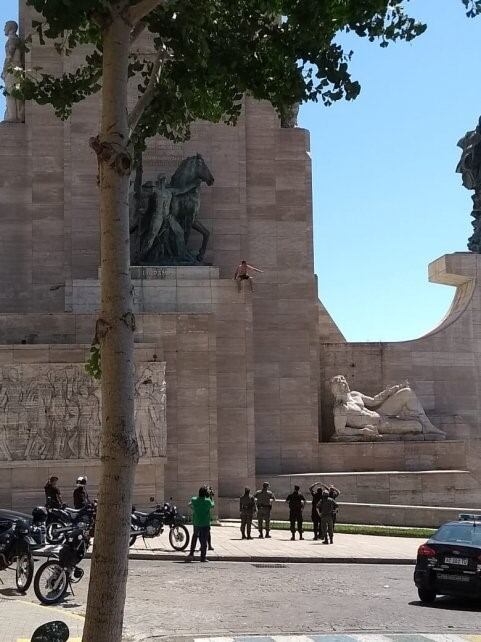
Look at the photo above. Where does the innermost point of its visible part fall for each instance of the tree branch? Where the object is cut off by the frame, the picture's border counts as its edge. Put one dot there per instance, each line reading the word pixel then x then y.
pixel 146 98
pixel 137 31
pixel 139 11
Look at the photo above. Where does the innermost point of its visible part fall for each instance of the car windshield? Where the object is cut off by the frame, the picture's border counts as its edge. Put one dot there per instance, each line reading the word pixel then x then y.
pixel 464 533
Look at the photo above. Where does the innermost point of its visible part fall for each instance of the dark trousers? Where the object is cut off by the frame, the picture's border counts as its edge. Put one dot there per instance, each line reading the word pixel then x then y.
pixel 201 533
pixel 246 524
pixel 327 527
pixel 264 517
pixel 295 518
pixel 316 524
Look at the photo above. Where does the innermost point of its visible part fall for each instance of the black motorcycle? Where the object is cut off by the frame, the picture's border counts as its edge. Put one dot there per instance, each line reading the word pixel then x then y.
pixel 147 525
pixel 55 577
pixel 21 534
pixel 62 520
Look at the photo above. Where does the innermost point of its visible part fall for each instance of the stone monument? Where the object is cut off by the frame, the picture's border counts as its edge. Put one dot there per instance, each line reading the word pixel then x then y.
pixel 53 412
pixel 14 59
pixel 394 414
pixel 162 215
pixel 469 167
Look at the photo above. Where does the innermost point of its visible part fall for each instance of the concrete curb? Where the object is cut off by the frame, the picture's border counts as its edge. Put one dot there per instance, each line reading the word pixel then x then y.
pixel 259 559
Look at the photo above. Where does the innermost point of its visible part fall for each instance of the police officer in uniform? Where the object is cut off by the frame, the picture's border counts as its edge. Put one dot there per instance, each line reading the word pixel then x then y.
pixel 326 508
pixel 296 503
pixel 247 510
pixel 316 492
pixel 53 498
pixel 80 495
pixel 264 500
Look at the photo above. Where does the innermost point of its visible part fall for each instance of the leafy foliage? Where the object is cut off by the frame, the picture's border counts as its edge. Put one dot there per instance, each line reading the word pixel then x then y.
pixel 473 7
pixel 93 365
pixel 214 51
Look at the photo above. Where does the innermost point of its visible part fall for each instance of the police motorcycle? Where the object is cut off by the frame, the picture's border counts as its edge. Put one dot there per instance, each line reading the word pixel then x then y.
pixel 148 525
pixel 56 576
pixel 20 534
pixel 61 521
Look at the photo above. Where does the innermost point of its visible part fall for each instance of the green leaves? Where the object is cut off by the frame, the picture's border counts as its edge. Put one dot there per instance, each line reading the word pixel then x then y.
pixel 220 50
pixel 473 7
pixel 93 365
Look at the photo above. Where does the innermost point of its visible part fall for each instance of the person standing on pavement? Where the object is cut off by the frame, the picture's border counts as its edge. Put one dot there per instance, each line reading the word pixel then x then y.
pixel 316 493
pixel 53 498
pixel 326 508
pixel 209 538
pixel 80 495
pixel 333 494
pixel 201 508
pixel 264 500
pixel 247 509
pixel 296 503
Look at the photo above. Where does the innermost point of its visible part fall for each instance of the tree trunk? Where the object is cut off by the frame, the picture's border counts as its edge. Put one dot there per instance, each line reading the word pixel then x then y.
pixel 108 579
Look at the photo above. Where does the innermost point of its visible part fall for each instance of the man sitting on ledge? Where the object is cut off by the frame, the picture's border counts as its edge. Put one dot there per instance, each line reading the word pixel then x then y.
pixel 394 411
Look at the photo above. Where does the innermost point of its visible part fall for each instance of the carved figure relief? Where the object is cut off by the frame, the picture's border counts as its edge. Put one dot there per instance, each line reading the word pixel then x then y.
pixel 395 412
pixel 54 412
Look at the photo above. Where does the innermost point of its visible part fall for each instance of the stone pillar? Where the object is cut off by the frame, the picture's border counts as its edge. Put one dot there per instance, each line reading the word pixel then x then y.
pixel 285 312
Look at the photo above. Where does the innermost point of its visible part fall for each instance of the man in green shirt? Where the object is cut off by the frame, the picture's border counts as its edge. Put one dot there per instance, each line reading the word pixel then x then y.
pixel 201 507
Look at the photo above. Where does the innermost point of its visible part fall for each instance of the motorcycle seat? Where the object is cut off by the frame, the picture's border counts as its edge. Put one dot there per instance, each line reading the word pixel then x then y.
pixel 138 513
pixel 74 511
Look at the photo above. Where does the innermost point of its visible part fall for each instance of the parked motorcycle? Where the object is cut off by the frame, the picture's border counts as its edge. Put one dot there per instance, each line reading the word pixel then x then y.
pixel 60 521
pixel 147 525
pixel 20 534
pixel 55 577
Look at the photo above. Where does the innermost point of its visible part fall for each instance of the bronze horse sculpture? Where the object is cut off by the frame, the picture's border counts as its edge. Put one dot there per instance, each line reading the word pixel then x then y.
pixel 164 215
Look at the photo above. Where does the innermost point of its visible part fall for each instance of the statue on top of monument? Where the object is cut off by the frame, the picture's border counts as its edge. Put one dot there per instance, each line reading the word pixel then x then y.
pixel 163 214
pixel 469 167
pixel 396 412
pixel 14 60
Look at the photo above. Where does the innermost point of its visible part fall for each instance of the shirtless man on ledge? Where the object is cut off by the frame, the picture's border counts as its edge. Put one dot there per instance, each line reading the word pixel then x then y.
pixel 242 274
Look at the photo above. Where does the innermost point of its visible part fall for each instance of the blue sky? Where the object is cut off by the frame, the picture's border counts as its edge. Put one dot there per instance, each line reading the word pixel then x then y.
pixel 386 198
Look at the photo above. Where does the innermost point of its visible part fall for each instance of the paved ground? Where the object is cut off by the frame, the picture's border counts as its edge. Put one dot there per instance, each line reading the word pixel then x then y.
pixel 20 617
pixel 229 546
pixel 348 638
pixel 177 602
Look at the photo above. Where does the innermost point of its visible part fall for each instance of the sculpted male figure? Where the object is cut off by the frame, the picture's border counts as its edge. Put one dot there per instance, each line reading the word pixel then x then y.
pixel 15 111
pixel 394 411
pixel 469 167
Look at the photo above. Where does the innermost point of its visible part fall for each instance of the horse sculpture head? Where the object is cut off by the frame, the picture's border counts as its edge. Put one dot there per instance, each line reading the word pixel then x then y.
pixel 192 169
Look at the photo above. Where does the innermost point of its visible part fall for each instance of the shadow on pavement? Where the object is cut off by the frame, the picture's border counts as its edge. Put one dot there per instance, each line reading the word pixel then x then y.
pixel 451 604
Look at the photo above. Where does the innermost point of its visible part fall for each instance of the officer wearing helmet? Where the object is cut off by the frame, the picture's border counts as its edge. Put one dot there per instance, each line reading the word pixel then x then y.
pixel 80 495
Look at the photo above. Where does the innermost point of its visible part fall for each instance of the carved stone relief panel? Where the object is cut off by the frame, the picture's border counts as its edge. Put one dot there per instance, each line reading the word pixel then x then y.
pixel 53 411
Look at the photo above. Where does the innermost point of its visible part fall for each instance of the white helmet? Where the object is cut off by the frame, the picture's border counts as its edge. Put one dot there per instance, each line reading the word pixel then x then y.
pixel 82 480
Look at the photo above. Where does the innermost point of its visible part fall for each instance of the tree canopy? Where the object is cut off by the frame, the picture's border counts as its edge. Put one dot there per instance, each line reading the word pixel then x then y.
pixel 209 53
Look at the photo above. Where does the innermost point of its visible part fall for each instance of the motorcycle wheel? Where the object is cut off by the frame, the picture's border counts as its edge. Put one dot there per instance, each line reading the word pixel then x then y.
pixel 179 537
pixel 52 536
pixel 50 583
pixel 24 572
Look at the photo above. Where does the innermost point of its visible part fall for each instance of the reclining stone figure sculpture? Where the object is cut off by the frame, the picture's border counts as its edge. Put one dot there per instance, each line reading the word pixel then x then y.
pixel 394 413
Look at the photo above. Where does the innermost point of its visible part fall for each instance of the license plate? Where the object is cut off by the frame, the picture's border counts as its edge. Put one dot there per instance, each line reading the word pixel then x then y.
pixel 459 561
pixel 453 578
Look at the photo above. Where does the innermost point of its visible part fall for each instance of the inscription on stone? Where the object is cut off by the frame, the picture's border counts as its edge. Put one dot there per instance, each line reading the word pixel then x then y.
pixel 54 412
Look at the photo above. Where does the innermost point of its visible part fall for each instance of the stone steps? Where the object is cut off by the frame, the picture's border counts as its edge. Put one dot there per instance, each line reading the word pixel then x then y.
pixel 365 513
pixel 452 487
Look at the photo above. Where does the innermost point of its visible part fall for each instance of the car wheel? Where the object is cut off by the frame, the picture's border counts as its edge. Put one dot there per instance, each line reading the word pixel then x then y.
pixel 427 596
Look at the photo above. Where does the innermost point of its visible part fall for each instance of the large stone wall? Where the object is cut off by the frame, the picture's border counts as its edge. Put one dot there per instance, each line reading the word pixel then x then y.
pixel 54 412
pixel 442 366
